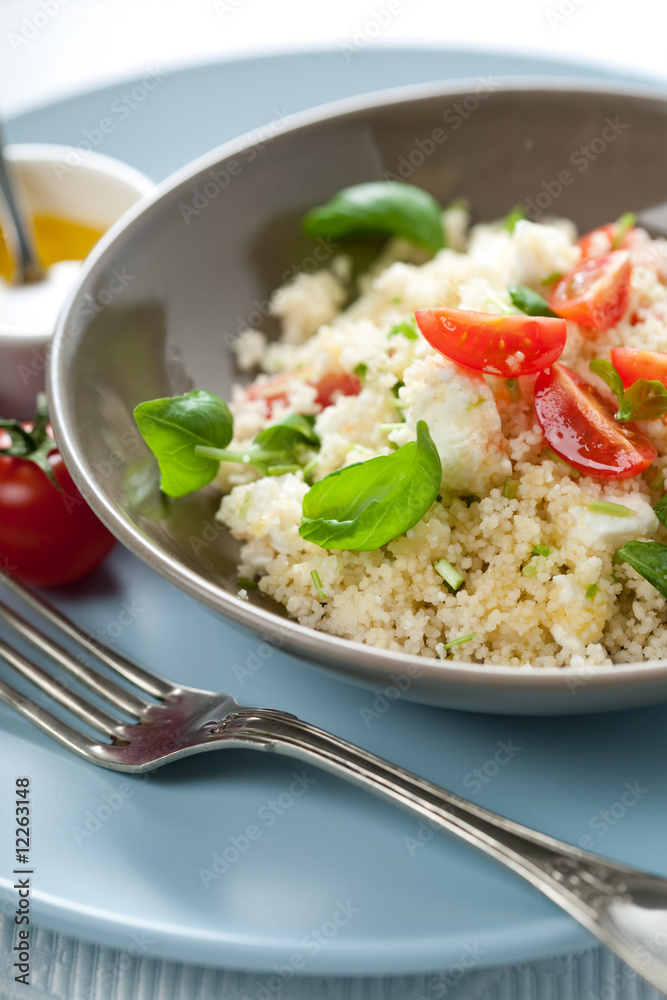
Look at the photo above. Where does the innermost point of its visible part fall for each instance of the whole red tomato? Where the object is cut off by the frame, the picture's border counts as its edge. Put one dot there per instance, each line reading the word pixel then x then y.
pixel 47 537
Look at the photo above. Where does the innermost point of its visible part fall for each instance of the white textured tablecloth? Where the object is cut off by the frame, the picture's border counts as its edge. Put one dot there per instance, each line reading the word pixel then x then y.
pixel 64 968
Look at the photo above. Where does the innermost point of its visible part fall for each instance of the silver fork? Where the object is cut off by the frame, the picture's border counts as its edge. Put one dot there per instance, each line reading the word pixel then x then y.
pixel 625 908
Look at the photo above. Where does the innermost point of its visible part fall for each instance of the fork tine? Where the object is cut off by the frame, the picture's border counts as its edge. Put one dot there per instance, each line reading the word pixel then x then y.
pixel 94 681
pixel 150 683
pixel 48 723
pixel 73 702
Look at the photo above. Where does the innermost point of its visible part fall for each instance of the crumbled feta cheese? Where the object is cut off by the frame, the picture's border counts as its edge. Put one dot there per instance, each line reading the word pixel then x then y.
pixel 591 527
pixel 462 419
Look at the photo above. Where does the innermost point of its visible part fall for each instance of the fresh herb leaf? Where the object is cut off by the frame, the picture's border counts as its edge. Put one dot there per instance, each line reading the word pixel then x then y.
pixel 626 222
pixel 361 370
pixel 514 215
pixel 661 510
pixel 591 591
pixel 379 208
pixel 408 330
pixel 650 561
pixel 541 550
pixel 366 505
pixel 283 447
pixel 246 583
pixel 172 428
pixel 606 371
pixel 645 399
pixel 529 302
pixel 552 278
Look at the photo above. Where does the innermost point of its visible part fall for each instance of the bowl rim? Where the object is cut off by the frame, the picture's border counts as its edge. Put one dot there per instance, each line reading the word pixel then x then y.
pixel 347 655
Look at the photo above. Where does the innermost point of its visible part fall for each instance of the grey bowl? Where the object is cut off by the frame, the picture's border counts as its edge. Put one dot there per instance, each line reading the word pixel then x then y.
pixel 167 290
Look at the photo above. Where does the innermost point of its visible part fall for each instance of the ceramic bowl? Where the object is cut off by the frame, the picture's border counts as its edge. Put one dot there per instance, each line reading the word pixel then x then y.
pixel 165 293
pixel 63 183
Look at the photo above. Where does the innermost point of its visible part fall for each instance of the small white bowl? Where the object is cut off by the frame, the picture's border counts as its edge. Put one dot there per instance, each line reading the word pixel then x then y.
pixel 94 193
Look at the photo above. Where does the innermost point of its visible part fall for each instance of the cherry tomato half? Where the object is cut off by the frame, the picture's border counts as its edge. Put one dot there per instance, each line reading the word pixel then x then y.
pixel 497 345
pixel 604 239
pixel 47 538
pixel 328 387
pixel 579 425
pixel 633 364
pixel 594 294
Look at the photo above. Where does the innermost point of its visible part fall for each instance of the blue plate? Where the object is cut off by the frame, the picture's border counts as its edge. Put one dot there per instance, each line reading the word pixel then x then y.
pixel 242 860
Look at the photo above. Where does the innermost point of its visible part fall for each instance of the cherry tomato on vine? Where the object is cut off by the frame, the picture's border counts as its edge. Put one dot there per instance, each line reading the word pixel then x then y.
pixel 495 344
pixel 579 425
pixel 594 294
pixel 47 537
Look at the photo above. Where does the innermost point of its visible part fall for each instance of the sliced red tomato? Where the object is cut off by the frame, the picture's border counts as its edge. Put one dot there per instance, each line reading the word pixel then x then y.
pixel 335 384
pixel 497 345
pixel 331 385
pixel 579 425
pixel 604 239
pixel 632 364
pixel 594 294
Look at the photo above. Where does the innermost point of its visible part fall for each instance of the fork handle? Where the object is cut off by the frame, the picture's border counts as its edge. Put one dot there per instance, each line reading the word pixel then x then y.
pixel 603 896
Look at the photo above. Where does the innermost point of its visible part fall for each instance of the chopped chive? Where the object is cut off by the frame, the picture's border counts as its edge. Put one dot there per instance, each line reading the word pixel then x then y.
pixel 459 642
pixel 473 406
pixel 396 386
pixel 387 428
pixel 513 388
pixel 501 306
pixel 541 550
pixel 591 591
pixel 556 458
pixel 515 215
pixel 530 569
pixel 613 509
pixel 396 301
pixel 626 222
pixel 247 584
pixel 509 488
pixel 449 574
pixel 321 596
pixel 549 280
pixel 361 370
pixel 245 503
pixel 408 330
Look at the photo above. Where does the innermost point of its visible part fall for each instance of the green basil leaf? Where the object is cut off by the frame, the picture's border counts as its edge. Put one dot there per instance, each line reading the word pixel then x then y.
pixel 646 399
pixel 530 302
pixel 364 506
pixel 379 208
pixel 606 371
pixel 277 449
pixel 661 510
pixel 649 559
pixel 408 330
pixel 173 426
